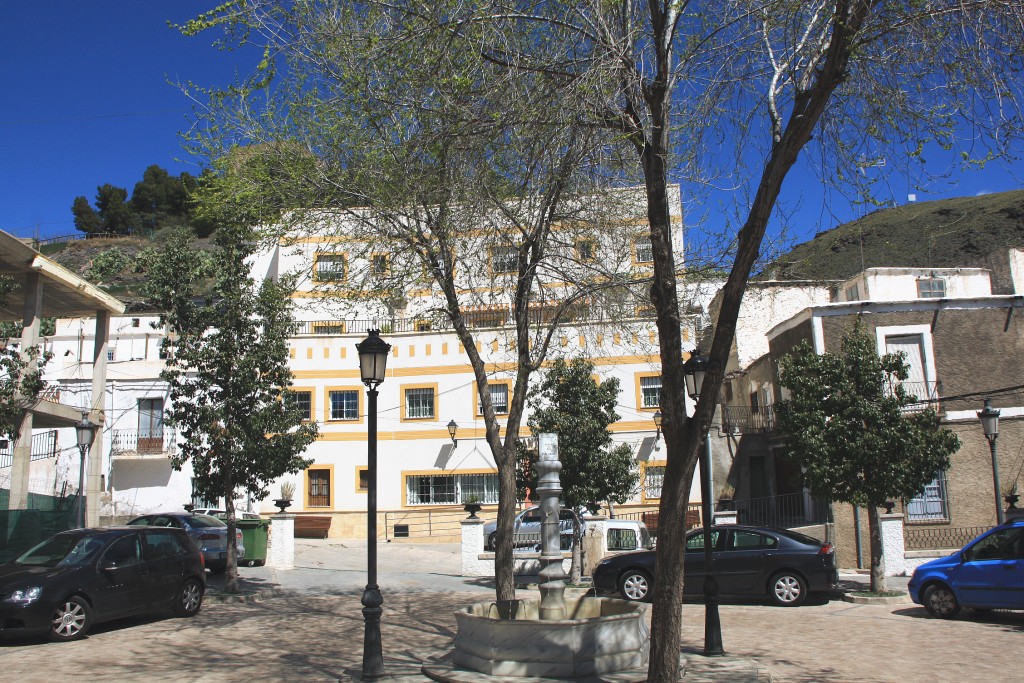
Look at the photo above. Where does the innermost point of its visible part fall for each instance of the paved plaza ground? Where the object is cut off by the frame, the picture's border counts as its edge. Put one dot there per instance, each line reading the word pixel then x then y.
pixel 308 627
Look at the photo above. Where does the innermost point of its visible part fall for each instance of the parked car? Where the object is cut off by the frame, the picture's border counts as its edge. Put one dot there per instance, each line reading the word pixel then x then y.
pixel 78 578
pixel 784 566
pixel 987 573
pixel 209 533
pixel 223 515
pixel 526 528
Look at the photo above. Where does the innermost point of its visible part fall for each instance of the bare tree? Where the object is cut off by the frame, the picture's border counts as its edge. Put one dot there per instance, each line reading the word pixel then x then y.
pixel 694 91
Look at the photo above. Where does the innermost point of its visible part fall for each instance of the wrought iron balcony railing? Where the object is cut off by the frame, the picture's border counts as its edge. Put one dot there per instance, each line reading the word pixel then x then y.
pixel 143 442
pixel 44 445
pixel 748 419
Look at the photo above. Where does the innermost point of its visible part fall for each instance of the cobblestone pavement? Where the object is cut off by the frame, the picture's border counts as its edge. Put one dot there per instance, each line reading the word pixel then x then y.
pixel 311 630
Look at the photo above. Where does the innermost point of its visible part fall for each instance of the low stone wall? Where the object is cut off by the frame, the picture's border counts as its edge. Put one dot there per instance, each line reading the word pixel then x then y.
pixel 915 558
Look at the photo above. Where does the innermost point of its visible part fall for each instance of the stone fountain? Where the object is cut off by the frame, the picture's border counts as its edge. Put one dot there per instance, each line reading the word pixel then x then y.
pixel 554 637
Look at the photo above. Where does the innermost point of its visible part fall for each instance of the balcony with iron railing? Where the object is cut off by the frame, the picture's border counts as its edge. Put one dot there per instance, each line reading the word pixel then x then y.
pixel 748 419
pixel 44 445
pixel 926 394
pixel 134 443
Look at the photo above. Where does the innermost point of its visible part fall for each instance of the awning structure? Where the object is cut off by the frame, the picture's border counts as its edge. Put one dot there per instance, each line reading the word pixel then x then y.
pixel 45 289
pixel 65 295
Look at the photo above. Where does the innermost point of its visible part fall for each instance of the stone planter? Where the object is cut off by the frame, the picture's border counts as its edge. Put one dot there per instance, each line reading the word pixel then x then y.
pixel 472 509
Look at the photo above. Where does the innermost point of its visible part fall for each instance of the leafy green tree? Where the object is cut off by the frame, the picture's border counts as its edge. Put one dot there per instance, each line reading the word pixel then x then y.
pixel 846 424
pixel 115 213
pixel 21 373
pixel 570 403
pixel 86 218
pixel 160 200
pixel 228 369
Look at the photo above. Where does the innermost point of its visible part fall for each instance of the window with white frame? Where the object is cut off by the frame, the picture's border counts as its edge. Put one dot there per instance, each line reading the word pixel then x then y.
pixel 931 504
pixel 644 250
pixel 931 288
pixel 419 402
pixel 451 489
pixel 650 392
pixel 654 476
pixel 499 399
pixel 911 346
pixel 330 267
pixel 344 404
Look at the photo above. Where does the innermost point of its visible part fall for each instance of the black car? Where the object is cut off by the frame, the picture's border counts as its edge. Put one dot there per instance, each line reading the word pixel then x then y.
pixel 783 566
pixel 77 578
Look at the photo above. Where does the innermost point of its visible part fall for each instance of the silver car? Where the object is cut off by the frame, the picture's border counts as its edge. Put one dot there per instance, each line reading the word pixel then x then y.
pixel 526 528
pixel 209 533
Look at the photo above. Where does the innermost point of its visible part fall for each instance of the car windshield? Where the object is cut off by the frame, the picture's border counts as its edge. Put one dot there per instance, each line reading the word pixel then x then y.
pixel 62 551
pixel 205 522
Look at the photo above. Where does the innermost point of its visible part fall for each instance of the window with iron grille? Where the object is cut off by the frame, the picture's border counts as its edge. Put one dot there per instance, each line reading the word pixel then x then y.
pixel 499 399
pixel 344 404
pixel 653 479
pixel 199 501
pixel 504 260
pixel 931 288
pixel 451 489
pixel 650 392
pixel 931 504
pixel 330 267
pixel 644 250
pixel 302 401
pixel 380 264
pixel 318 488
pixel 586 250
pixel 419 403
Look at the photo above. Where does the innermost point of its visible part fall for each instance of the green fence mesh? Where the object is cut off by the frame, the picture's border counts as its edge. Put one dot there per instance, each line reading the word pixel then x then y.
pixel 22 529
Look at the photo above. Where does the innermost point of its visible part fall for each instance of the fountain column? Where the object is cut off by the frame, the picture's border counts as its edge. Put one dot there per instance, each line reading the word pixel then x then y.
pixel 549 488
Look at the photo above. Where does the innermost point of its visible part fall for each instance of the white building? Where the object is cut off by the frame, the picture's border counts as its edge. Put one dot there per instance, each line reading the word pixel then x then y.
pixel 429 379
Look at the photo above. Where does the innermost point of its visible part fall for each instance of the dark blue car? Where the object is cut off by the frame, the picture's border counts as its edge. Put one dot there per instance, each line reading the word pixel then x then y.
pixel 988 573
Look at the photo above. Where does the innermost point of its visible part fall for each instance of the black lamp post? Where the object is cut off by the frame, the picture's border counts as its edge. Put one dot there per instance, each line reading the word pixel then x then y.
pixel 695 369
pixel 657 430
pixel 85 431
pixel 990 424
pixel 452 429
pixel 373 360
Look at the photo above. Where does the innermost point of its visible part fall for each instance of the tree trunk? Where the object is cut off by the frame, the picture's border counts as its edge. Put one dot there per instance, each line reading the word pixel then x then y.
pixel 231 574
pixel 878 582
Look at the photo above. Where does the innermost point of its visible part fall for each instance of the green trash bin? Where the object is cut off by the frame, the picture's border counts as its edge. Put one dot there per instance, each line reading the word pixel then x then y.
pixel 255 533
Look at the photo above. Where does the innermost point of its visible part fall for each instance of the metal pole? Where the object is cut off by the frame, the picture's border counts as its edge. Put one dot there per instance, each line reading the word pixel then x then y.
pixel 80 503
pixel 373 657
pixel 995 480
pixel 712 623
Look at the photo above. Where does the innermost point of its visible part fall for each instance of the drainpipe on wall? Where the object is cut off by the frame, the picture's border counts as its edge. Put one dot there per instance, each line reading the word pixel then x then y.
pixel 856 531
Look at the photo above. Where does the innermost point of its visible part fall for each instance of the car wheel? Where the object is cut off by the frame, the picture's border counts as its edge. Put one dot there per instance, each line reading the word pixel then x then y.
pixel 787 589
pixel 491 540
pixel 940 601
pixel 71 620
pixel 189 599
pixel 635 585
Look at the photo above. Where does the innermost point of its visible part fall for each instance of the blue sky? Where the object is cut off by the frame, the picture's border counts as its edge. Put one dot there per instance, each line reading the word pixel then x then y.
pixel 88 102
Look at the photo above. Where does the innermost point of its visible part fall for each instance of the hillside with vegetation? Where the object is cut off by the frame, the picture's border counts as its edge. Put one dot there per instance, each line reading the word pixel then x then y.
pixel 943 233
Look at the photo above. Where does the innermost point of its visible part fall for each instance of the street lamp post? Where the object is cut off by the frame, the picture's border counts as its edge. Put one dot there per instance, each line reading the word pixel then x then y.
pixel 85 431
pixel 452 429
pixel 373 360
pixel 657 430
pixel 695 369
pixel 990 424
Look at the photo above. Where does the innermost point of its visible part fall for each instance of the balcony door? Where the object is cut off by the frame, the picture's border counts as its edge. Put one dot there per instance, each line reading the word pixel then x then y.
pixel 151 425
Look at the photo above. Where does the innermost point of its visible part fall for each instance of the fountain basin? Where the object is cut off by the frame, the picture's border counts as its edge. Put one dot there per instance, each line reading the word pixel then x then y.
pixel 599 636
